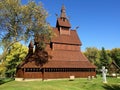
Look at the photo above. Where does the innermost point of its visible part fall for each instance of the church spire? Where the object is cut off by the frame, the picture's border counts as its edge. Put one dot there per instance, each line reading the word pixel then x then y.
pixel 63 12
pixel 62 21
pixel 31 46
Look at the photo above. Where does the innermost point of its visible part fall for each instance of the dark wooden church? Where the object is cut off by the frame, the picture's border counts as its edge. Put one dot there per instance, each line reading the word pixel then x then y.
pixel 66 57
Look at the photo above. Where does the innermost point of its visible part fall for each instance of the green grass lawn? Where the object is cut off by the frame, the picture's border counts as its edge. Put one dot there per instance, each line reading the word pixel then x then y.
pixel 77 84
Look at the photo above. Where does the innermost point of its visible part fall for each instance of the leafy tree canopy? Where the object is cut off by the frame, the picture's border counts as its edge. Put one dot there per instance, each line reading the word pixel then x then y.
pixel 102 57
pixel 21 22
pixel 92 54
pixel 115 55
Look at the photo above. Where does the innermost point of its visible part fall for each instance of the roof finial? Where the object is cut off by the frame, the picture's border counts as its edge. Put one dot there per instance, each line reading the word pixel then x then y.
pixel 31 44
pixel 63 13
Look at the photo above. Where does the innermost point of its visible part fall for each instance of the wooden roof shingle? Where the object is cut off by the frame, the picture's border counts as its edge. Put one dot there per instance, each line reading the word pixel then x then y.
pixel 62 23
pixel 66 39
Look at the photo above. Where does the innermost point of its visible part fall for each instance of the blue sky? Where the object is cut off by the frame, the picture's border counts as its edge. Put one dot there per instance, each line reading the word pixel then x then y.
pixel 98 20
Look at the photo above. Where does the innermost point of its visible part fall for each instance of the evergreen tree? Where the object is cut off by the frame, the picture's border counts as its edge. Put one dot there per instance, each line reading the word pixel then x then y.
pixel 105 60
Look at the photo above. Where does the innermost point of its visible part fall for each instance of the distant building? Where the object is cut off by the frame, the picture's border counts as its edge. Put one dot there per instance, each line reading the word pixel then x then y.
pixel 66 57
pixel 113 69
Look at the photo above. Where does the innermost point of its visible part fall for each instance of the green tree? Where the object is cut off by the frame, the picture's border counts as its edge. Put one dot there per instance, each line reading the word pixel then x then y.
pixel 115 55
pixel 21 22
pixel 15 56
pixel 92 54
pixel 105 60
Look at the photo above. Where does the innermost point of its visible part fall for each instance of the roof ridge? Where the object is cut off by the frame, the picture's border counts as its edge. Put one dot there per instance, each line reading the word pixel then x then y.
pixel 115 64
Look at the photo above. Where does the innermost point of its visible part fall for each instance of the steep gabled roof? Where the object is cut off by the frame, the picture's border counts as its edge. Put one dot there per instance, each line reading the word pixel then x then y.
pixel 114 63
pixel 68 59
pixel 60 59
pixel 72 38
pixel 63 55
pixel 62 23
pixel 69 64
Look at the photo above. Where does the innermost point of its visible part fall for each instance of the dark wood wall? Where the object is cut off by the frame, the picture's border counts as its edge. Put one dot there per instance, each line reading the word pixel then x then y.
pixel 52 75
pixel 66 47
pixel 19 72
pixel 33 75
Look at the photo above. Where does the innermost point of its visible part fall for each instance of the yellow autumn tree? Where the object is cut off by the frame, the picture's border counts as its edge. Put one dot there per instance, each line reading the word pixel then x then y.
pixel 15 56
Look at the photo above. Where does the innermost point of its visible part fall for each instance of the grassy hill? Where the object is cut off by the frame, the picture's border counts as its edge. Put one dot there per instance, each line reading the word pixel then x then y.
pixel 77 84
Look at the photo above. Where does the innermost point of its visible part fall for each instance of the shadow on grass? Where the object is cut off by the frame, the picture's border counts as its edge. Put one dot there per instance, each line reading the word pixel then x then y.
pixel 111 87
pixel 5 80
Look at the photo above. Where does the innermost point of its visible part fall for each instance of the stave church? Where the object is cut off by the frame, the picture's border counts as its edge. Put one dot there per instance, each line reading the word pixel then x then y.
pixel 66 57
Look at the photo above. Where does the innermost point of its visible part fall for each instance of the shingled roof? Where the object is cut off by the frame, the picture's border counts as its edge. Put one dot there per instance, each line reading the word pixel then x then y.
pixel 68 59
pixel 69 64
pixel 60 22
pixel 66 56
pixel 63 58
pixel 61 64
pixel 72 38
